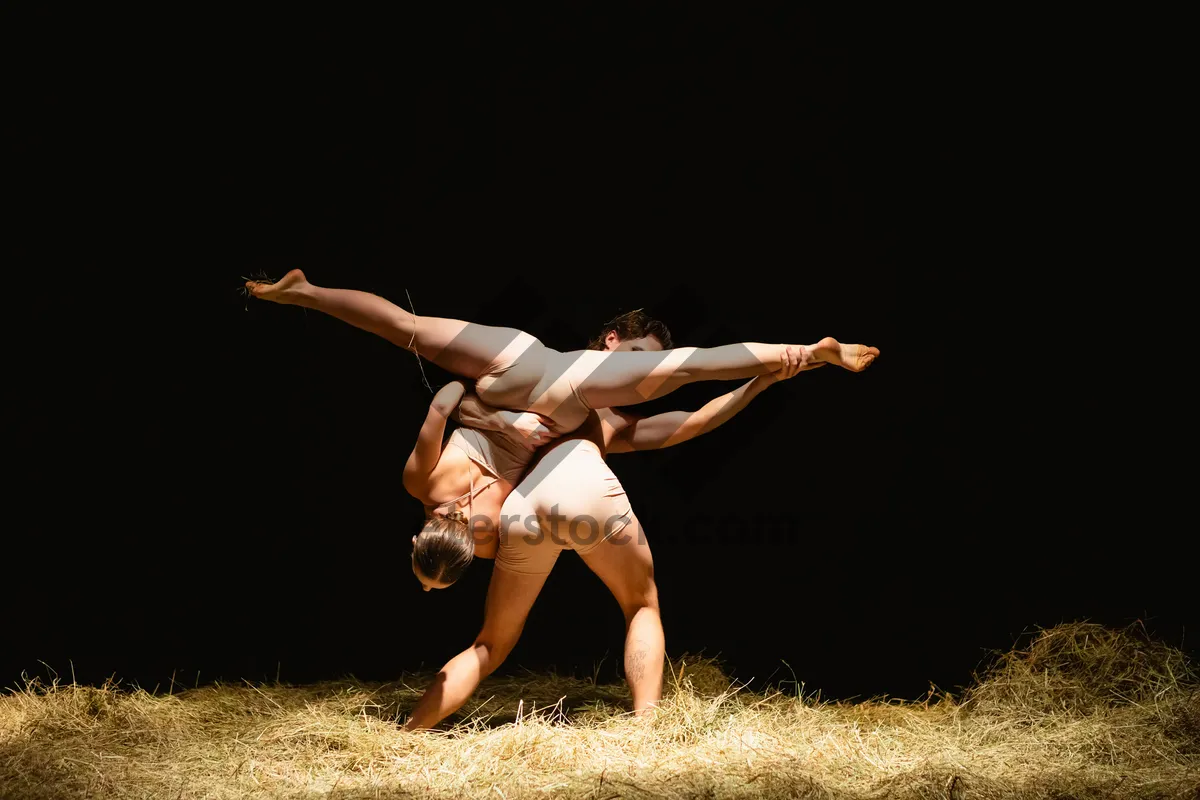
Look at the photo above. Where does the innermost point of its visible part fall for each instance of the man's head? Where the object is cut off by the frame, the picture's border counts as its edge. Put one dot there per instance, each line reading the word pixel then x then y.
pixel 633 330
pixel 442 551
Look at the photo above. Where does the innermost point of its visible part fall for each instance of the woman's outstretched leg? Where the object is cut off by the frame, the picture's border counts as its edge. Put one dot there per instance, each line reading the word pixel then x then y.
pixel 605 379
pixel 514 370
pixel 464 348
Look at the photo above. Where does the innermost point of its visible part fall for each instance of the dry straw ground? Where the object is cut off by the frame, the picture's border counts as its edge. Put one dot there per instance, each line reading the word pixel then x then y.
pixel 1082 712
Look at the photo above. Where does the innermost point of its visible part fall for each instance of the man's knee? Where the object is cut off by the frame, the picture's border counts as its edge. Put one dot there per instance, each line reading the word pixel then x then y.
pixel 644 598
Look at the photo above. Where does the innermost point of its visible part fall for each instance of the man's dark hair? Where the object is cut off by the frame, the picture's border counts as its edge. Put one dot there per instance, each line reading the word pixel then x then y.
pixel 633 325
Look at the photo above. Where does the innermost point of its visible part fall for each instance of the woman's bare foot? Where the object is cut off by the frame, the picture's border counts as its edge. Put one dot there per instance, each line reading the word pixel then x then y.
pixel 288 290
pixel 854 357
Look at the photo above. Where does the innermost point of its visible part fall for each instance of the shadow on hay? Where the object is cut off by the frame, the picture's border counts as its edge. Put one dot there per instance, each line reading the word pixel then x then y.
pixel 503 701
pixel 35 773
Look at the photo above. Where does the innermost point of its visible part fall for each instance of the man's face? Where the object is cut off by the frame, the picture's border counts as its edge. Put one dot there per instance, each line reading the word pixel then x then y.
pixel 613 342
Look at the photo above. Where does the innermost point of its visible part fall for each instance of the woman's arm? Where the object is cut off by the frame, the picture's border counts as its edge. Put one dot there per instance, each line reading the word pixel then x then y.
pixel 673 427
pixel 428 449
pixel 528 429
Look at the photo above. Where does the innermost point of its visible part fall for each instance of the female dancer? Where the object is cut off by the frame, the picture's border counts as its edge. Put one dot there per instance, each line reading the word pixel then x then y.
pixel 512 369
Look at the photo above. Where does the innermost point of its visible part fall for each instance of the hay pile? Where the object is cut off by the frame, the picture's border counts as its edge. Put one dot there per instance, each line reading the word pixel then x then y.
pixel 1083 711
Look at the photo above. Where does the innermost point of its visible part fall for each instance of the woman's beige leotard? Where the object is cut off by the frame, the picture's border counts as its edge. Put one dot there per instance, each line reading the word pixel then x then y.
pixel 496 454
pixel 530 376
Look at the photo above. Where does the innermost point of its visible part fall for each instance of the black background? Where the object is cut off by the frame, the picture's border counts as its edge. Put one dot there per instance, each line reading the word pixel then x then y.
pixel 209 487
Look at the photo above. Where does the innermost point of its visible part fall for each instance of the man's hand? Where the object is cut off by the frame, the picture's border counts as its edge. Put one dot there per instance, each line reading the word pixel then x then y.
pixel 532 430
pixel 795 359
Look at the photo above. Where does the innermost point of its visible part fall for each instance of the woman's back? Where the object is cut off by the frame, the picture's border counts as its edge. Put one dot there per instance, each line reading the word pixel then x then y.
pixel 476 472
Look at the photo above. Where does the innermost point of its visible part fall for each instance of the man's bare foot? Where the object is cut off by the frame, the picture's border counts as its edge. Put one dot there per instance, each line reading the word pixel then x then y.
pixel 647 714
pixel 288 290
pixel 854 357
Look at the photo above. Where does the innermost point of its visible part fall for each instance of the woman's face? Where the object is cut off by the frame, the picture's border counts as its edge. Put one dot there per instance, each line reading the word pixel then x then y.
pixel 427 584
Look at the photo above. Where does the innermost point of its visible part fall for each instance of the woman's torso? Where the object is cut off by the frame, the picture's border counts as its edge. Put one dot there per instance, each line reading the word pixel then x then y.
pixel 475 473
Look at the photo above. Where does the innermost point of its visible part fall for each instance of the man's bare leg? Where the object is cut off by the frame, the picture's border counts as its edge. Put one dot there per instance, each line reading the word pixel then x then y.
pixel 625 565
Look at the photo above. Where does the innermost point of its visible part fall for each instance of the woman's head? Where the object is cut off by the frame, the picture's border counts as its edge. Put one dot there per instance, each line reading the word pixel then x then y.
pixel 442 551
pixel 633 330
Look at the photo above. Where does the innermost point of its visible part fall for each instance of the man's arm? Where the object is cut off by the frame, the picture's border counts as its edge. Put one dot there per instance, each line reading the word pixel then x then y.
pixel 673 427
pixel 428 449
